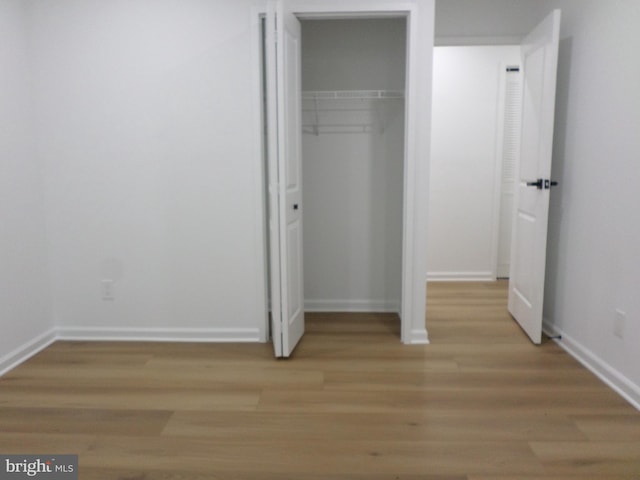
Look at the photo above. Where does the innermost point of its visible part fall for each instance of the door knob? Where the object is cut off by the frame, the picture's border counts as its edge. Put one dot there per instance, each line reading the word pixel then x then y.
pixel 542 183
pixel 537 184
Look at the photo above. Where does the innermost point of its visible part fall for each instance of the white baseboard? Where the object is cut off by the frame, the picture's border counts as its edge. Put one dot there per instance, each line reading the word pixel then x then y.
pixel 461 276
pixel 210 335
pixel 419 337
pixel 605 372
pixel 351 306
pixel 26 351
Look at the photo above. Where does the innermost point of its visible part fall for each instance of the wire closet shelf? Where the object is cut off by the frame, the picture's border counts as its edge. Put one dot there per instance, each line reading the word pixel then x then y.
pixel 347 111
pixel 351 94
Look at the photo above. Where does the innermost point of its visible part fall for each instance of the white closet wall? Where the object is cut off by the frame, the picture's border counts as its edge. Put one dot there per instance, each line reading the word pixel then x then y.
pixel 353 155
pixel 353 54
pixel 467 145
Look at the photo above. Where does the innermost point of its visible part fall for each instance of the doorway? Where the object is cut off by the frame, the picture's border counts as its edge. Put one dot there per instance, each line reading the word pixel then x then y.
pixel 539 54
pixel 353 79
pixel 414 175
pixel 475 149
pixel 477 100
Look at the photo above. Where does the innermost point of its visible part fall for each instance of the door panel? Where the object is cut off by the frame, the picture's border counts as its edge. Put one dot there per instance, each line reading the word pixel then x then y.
pixel 294 260
pixel 289 97
pixel 533 74
pixel 271 101
pixel 283 101
pixel 528 255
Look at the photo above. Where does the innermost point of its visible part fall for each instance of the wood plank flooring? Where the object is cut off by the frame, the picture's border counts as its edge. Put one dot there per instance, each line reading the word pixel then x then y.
pixel 479 403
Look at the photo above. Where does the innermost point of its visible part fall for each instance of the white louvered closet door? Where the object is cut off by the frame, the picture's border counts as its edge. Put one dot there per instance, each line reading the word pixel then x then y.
pixel 510 156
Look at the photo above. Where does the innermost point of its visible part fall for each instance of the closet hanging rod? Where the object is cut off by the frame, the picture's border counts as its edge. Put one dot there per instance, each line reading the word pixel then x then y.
pixel 351 94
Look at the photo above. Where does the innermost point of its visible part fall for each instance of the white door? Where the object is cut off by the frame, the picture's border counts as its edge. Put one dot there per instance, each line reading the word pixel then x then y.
pixel 285 187
pixel 529 242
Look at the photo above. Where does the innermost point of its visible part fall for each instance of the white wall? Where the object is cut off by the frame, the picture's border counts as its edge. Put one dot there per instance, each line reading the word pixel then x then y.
pixel 593 262
pixel 152 161
pixel 353 182
pixel 593 250
pixel 468 96
pixel 25 322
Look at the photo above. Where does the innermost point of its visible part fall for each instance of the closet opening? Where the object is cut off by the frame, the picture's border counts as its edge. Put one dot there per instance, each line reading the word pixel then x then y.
pixel 353 77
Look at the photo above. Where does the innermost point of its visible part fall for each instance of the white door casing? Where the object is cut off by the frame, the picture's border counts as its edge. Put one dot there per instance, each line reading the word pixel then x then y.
pixel 285 185
pixel 529 241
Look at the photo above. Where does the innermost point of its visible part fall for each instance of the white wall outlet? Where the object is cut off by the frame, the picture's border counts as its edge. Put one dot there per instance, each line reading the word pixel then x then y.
pixel 619 323
pixel 107 290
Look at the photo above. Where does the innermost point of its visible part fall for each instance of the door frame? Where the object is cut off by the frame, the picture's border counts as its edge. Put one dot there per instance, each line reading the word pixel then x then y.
pixel 420 15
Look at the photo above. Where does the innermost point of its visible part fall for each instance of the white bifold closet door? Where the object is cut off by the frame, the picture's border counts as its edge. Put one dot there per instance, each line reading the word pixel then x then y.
pixel 285 176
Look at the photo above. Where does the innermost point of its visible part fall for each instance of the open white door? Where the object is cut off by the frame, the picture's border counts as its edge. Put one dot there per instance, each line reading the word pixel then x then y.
pixel 285 177
pixel 529 242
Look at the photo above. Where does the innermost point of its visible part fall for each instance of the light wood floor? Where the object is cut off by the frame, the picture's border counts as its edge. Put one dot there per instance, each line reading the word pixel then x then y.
pixel 479 403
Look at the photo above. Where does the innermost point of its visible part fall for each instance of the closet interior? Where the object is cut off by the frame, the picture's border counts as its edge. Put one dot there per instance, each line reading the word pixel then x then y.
pixel 353 80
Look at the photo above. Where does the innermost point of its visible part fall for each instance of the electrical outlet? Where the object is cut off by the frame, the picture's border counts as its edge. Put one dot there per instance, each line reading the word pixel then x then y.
pixel 619 324
pixel 107 290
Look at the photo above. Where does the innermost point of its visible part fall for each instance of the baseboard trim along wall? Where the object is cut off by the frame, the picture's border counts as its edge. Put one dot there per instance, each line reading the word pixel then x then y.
pixel 210 335
pixel 605 372
pixel 96 334
pixel 461 276
pixel 419 337
pixel 26 351
pixel 351 306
